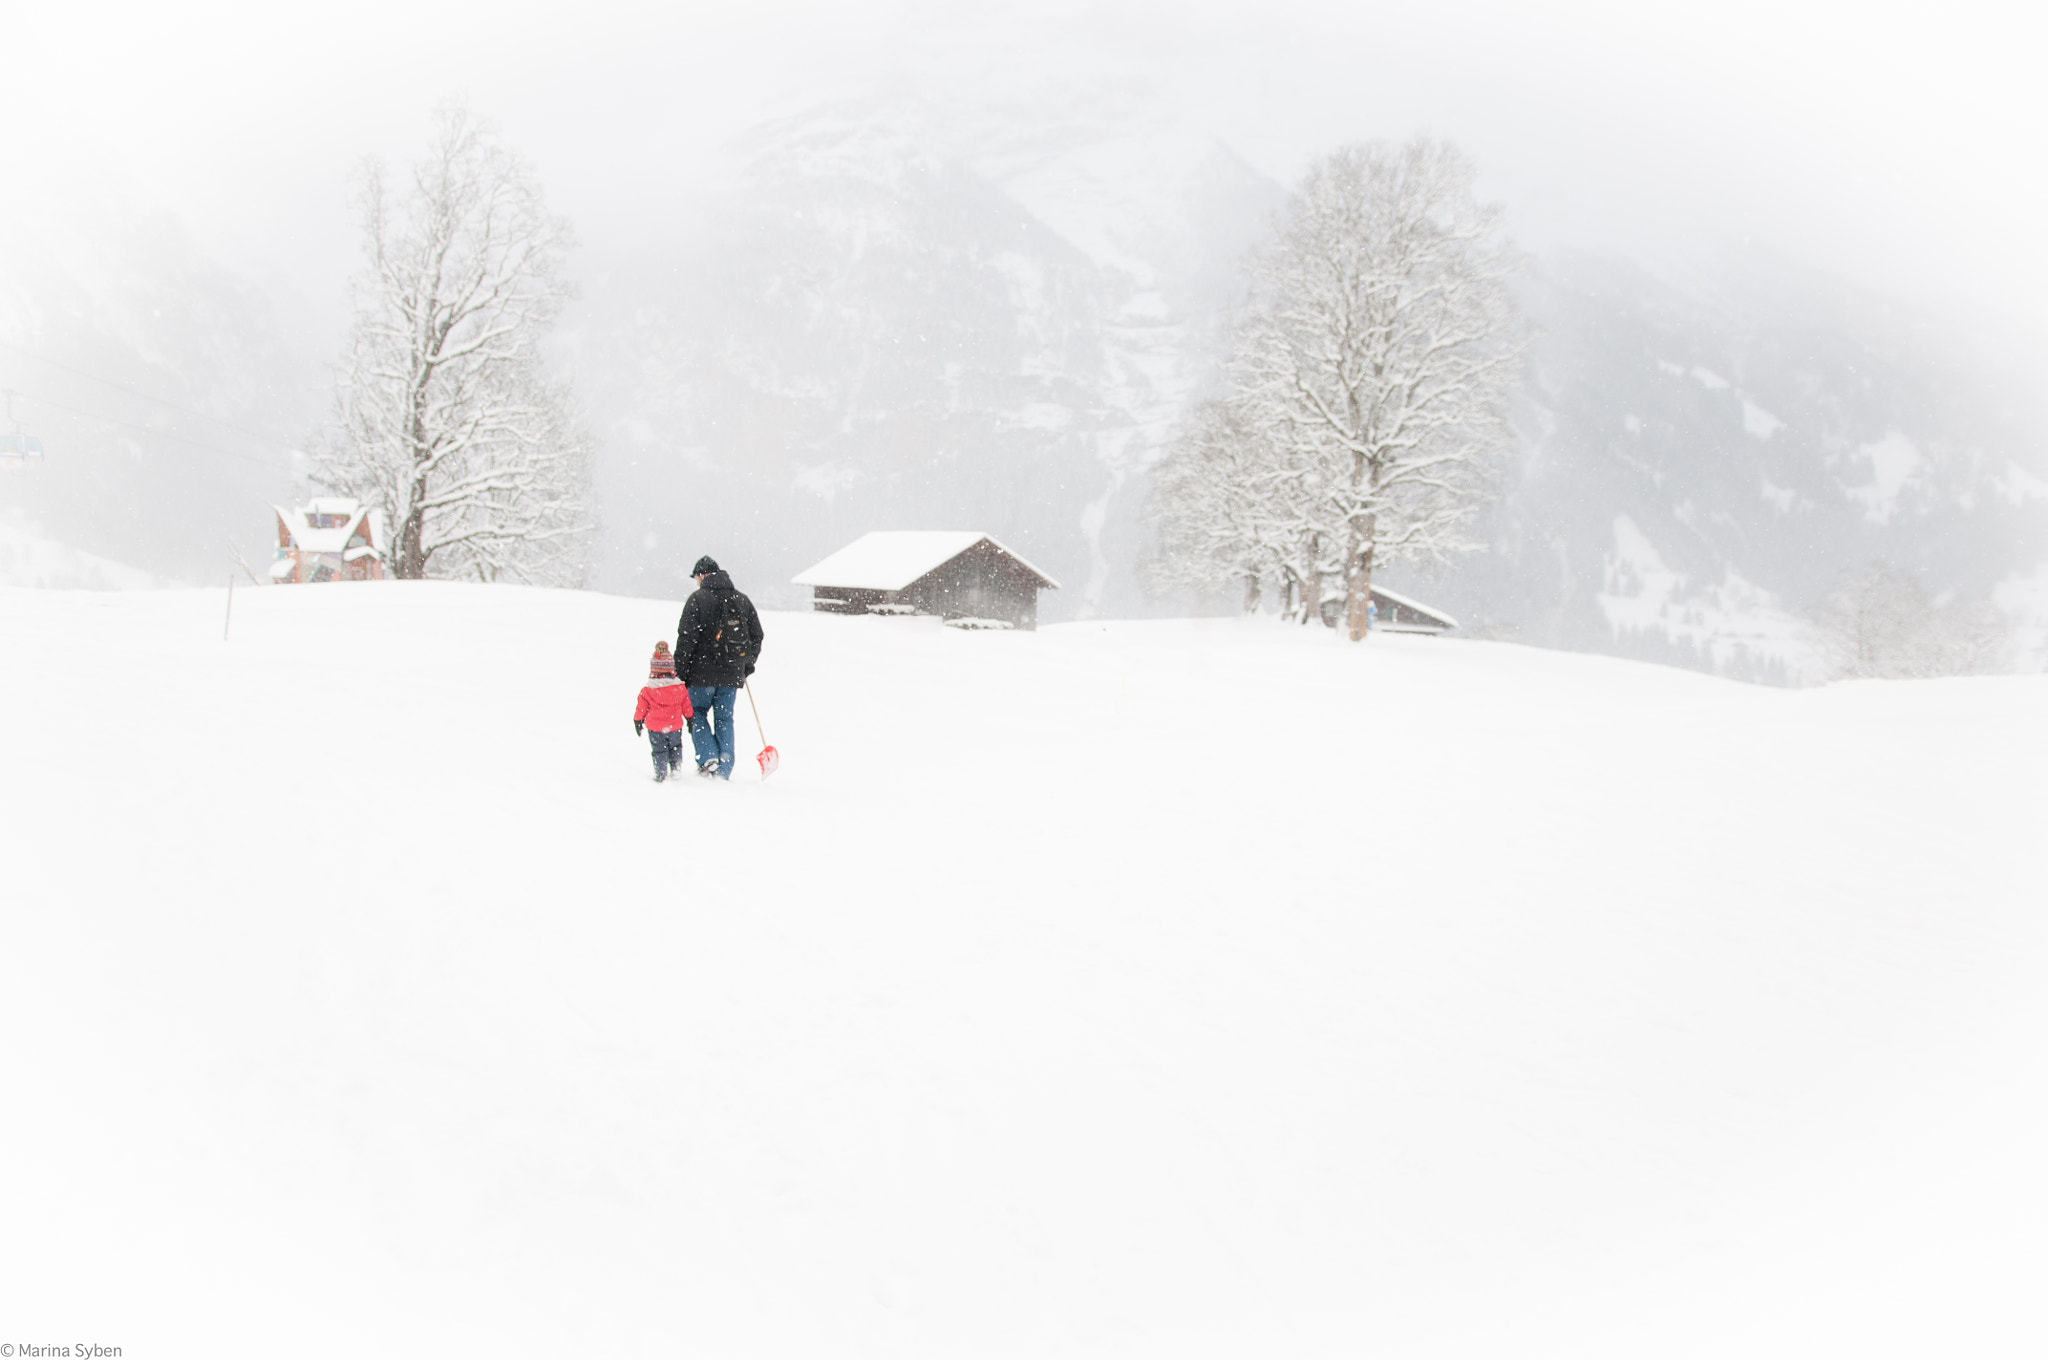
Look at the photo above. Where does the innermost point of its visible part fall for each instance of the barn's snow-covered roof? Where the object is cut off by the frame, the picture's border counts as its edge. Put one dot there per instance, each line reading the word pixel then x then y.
pixel 892 559
pixel 1415 605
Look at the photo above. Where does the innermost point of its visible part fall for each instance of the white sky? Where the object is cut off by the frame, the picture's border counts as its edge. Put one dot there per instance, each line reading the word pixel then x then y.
pixel 1899 145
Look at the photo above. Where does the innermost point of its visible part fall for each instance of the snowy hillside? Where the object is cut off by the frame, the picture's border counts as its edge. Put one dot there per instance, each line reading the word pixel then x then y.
pixel 1704 453
pixel 31 559
pixel 1144 989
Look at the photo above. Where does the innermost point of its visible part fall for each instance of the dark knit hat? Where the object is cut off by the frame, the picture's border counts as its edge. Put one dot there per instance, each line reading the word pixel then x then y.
pixel 662 664
pixel 705 566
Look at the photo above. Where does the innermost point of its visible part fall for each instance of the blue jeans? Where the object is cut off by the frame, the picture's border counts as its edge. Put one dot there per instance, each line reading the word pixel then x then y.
pixel 668 750
pixel 712 741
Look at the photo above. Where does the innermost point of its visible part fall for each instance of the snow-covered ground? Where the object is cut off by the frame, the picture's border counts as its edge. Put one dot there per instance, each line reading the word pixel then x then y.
pixel 1157 989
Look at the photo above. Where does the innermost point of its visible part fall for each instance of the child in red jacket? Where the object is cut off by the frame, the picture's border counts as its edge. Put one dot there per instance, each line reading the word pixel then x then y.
pixel 663 711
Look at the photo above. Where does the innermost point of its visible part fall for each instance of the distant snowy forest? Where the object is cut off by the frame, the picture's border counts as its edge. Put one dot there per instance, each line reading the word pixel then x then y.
pixel 904 311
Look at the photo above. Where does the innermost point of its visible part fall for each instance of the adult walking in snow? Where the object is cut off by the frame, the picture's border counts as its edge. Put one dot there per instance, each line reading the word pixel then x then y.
pixel 718 643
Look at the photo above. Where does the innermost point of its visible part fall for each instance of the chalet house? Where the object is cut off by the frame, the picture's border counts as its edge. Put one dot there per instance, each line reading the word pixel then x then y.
pixel 966 577
pixel 328 540
pixel 1394 614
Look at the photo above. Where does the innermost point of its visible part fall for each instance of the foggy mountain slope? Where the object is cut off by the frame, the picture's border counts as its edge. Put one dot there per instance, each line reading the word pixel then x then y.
pixel 987 310
pixel 30 559
pixel 122 299
pixel 911 315
pixel 910 312
pixel 1701 457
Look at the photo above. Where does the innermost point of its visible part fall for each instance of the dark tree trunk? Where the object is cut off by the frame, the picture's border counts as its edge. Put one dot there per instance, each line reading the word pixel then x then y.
pixel 1358 595
pixel 1364 539
pixel 412 557
pixel 412 549
pixel 1312 583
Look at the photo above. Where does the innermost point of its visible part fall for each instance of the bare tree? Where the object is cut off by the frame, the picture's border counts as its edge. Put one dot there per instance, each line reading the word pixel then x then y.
pixel 444 415
pixel 1374 366
pixel 1215 494
pixel 1877 623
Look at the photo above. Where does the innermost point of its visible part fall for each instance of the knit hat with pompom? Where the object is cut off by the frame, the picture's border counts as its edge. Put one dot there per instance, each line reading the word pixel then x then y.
pixel 662 665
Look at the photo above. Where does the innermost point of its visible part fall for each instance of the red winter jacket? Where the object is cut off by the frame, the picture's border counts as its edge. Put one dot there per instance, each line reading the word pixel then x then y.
pixel 664 705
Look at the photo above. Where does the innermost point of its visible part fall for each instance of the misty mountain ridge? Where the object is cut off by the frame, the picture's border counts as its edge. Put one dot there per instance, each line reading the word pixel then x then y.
pixel 1702 454
pixel 111 320
pixel 912 316
pixel 988 312
pixel 977 317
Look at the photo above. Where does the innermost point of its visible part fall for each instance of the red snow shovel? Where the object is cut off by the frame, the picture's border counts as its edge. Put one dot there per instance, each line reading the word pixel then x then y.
pixel 770 760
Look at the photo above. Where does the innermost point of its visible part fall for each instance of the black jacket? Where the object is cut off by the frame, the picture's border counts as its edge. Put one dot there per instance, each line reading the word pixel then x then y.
pixel 718 638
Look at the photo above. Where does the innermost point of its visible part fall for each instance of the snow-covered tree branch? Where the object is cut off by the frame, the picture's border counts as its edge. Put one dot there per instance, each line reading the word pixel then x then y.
pixel 1368 384
pixel 444 417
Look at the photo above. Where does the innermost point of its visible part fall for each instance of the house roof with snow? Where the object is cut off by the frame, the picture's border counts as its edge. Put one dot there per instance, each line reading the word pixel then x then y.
pixel 892 559
pixel 326 524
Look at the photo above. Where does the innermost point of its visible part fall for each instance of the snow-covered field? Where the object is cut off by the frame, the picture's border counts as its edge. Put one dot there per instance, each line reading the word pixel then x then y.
pixel 1132 989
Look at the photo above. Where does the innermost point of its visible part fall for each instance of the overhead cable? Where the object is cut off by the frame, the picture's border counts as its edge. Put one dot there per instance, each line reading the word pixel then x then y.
pixel 162 434
pixel 185 410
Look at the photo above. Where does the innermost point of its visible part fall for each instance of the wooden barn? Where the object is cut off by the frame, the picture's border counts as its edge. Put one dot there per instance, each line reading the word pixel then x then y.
pixel 327 540
pixel 1394 614
pixel 966 577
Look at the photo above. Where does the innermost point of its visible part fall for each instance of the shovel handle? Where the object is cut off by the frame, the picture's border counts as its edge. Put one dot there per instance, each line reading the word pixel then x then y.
pixel 757 712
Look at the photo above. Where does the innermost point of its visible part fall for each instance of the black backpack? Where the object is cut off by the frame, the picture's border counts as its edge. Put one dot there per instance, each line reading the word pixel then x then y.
pixel 732 620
